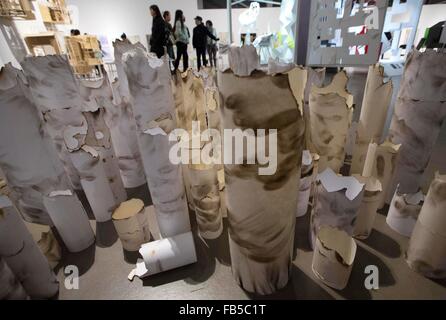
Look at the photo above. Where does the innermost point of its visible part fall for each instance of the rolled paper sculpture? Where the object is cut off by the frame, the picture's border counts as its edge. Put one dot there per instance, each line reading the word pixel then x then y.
pixel 118 116
pixel 306 182
pixel 372 190
pixel 153 108
pixel 32 166
pixel 76 124
pixel 10 286
pixel 331 110
pixel 132 224
pixel 427 248
pixel 333 257
pixel 419 115
pixel 385 165
pixel 50 248
pixel 244 60
pixel 404 211
pixel 262 205
pixel 337 203
pixel 164 255
pixel 18 249
pixel 375 106
pixel 206 194
pixel 316 77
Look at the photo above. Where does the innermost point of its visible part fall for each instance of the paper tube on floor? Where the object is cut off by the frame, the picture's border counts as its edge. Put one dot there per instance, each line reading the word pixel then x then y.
pixel 404 211
pixel 132 224
pixel 337 203
pixel 385 165
pixel 18 249
pixel 10 286
pixel 419 115
pixel 331 110
pixel 206 195
pixel 262 208
pixel 153 108
pixel 333 257
pixel 32 166
pixel 427 248
pixel 377 97
pixel 164 255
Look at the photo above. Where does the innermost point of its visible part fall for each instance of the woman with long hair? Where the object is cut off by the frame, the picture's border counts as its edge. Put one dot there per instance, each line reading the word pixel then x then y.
pixel 212 47
pixel 158 39
pixel 182 36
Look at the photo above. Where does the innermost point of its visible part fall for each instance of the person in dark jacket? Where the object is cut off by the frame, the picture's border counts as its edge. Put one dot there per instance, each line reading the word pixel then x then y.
pixel 170 37
pixel 200 40
pixel 158 39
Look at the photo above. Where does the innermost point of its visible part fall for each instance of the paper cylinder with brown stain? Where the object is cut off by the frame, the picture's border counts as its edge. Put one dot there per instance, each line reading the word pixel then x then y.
pixel 206 196
pixel 316 77
pixel 427 248
pixel 377 97
pixel 419 115
pixel 132 224
pixel 331 110
pixel 333 257
pixel 18 249
pixel 10 287
pixel 262 209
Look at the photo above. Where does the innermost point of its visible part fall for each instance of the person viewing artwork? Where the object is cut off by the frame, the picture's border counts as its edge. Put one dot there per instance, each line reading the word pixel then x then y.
pixel 182 37
pixel 170 37
pixel 158 39
pixel 200 41
pixel 212 44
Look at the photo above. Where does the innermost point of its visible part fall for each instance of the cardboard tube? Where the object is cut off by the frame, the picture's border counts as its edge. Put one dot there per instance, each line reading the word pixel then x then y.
pixel 306 182
pixel 370 160
pixel 10 286
pixel 164 255
pixel 206 195
pixel 404 211
pixel 132 224
pixel 316 77
pixel 18 249
pixel 262 209
pixel 419 115
pixel 333 257
pixel 377 97
pixel 337 203
pixel 331 110
pixel 427 248
pixel 165 179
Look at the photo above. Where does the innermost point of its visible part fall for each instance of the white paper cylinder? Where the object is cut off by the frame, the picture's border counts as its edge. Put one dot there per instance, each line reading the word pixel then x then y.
pixel 10 287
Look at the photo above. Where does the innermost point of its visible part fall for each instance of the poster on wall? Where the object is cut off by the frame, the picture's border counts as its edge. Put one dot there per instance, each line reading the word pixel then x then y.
pixel 345 32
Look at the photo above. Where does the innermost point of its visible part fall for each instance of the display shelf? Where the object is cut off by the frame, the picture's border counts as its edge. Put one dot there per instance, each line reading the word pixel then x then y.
pixel 84 53
pixel 16 9
pixel 43 44
pixel 55 12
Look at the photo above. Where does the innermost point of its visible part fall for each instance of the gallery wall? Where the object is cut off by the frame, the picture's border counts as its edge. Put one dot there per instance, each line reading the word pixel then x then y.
pixel 430 15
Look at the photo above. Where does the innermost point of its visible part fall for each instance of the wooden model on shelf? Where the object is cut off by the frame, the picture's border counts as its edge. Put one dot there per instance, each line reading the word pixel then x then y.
pixel 16 9
pixel 55 11
pixel 43 44
pixel 84 53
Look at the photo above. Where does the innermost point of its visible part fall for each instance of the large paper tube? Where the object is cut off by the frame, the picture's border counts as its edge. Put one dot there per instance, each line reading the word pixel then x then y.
pixel 333 257
pixel 262 208
pixel 164 255
pixel 10 286
pixel 32 167
pixel 18 249
pixel 153 108
pixel 385 165
pixel 316 77
pixel 404 211
pixel 132 224
pixel 419 115
pixel 331 110
pixel 427 248
pixel 206 195
pixel 337 203
pixel 377 97
pixel 118 116
pixel 70 220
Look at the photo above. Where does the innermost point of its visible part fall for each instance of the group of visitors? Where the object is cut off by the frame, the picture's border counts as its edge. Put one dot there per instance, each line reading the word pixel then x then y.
pixel 165 37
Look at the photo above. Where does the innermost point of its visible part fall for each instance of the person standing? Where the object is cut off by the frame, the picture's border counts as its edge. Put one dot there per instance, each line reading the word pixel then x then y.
pixel 158 39
pixel 170 36
pixel 200 40
pixel 182 40
pixel 212 44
